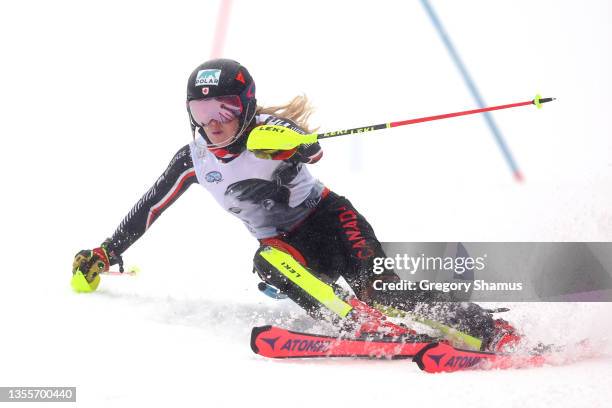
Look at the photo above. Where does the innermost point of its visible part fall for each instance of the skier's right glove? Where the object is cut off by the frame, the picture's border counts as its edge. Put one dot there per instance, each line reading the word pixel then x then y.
pixel 86 269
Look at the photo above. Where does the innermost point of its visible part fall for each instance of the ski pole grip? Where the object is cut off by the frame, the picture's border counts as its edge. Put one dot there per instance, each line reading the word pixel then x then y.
pixel 538 101
pixel 544 100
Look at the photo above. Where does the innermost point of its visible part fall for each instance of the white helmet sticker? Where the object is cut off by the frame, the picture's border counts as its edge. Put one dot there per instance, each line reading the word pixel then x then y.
pixel 207 77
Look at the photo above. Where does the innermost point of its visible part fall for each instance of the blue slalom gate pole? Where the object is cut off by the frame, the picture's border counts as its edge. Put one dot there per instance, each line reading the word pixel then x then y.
pixel 473 90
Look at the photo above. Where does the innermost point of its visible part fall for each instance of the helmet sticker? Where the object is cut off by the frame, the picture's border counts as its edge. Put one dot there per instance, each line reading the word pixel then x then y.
pixel 240 77
pixel 207 77
pixel 205 90
pixel 250 93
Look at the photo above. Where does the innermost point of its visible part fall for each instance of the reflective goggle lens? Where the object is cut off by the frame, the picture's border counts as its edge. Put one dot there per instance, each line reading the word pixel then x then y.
pixel 223 109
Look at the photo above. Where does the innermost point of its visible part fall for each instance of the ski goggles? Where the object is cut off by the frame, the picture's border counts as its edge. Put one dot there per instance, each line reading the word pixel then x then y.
pixel 223 109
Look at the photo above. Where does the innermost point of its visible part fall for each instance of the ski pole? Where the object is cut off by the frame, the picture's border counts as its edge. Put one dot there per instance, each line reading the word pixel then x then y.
pixel 132 271
pixel 538 101
pixel 117 273
pixel 265 137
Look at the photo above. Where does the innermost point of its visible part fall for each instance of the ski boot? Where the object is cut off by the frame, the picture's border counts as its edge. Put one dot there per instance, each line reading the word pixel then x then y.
pixel 504 338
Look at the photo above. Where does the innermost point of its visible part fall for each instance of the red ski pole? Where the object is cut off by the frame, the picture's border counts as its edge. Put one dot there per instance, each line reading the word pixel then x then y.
pixel 538 101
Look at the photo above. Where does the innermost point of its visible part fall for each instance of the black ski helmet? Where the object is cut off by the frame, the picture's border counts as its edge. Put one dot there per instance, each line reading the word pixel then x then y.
pixel 224 77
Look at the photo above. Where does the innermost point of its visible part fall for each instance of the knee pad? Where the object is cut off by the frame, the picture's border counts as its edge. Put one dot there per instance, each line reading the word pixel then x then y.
pixel 270 274
pixel 266 271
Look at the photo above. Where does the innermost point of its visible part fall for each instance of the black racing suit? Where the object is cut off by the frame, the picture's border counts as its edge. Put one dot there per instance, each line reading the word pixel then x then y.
pixel 334 240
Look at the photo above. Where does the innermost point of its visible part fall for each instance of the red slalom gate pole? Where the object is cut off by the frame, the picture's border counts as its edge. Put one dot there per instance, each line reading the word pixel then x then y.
pixel 221 28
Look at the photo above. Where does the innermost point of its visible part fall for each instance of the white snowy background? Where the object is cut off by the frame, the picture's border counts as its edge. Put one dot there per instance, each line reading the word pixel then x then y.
pixel 92 109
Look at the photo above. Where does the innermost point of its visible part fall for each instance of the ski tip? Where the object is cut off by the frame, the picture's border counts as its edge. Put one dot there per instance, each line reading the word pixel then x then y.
pixel 418 358
pixel 255 334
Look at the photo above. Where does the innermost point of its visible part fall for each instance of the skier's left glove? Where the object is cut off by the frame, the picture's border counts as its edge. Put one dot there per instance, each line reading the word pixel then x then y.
pixel 280 143
pixel 308 153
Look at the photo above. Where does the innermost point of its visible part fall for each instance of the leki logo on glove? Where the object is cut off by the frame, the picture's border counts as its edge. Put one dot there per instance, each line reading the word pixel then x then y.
pixel 207 77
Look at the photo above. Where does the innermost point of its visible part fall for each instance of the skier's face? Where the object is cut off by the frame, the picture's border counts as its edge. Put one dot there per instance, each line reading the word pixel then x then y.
pixel 218 116
pixel 220 132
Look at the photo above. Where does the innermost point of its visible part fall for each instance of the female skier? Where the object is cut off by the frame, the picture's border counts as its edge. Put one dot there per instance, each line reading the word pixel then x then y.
pixel 309 236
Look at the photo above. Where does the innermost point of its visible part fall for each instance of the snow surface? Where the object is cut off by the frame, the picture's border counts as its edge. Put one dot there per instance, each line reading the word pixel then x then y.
pixel 92 102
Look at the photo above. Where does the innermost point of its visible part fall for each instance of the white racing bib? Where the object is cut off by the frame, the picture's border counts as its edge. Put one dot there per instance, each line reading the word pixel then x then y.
pixel 269 196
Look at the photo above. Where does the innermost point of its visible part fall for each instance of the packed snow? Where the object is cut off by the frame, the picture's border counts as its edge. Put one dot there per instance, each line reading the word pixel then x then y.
pixel 93 109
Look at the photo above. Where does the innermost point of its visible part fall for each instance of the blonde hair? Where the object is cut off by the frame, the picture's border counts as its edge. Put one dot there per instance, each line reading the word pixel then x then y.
pixel 297 110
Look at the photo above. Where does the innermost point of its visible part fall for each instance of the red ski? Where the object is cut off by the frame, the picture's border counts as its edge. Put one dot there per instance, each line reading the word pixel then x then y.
pixel 430 356
pixel 441 357
pixel 274 342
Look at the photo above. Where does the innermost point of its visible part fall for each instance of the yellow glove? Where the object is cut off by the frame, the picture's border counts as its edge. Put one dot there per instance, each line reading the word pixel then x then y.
pixel 86 269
